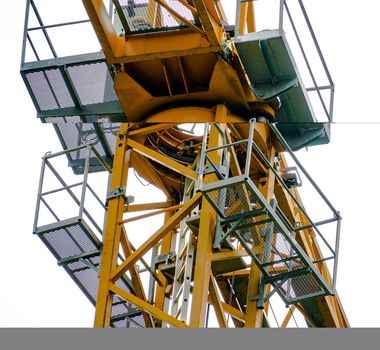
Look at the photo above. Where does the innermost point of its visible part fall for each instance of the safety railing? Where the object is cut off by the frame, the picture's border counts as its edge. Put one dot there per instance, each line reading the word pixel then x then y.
pixel 290 18
pixel 61 196
pixel 282 238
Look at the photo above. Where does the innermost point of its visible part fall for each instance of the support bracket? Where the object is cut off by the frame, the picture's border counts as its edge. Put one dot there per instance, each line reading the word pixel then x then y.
pixel 119 192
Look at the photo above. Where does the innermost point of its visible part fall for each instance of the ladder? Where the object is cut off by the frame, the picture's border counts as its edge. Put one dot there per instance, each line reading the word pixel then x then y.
pixel 184 261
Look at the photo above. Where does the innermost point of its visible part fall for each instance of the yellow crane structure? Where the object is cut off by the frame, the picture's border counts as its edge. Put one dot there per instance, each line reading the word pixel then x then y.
pixel 235 231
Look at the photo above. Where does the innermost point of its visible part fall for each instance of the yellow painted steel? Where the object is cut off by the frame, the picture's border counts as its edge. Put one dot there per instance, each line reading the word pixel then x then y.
pixel 164 79
pixel 288 316
pixel 156 212
pixel 161 289
pixel 205 289
pixel 156 237
pixel 159 158
pixel 148 206
pixel 216 302
pixel 254 317
pixel 202 270
pixel 112 232
pixel 156 312
pixel 135 276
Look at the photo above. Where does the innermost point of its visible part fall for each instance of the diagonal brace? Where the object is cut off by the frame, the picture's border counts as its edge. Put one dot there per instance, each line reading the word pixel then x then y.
pixel 159 158
pixel 156 237
pixel 146 307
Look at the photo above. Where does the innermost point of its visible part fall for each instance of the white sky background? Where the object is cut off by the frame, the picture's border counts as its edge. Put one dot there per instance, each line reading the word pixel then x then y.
pixel 35 292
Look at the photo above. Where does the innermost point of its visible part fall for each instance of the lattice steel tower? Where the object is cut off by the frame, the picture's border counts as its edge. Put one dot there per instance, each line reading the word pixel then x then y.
pixel 235 232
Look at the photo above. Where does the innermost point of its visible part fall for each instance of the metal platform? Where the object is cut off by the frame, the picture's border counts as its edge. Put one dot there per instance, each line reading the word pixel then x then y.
pixel 265 232
pixel 78 250
pixel 76 241
pixel 272 72
pixel 276 57
pixel 72 89
pixel 77 96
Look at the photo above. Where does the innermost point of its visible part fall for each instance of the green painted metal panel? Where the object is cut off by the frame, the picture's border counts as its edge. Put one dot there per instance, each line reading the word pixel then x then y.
pixel 273 73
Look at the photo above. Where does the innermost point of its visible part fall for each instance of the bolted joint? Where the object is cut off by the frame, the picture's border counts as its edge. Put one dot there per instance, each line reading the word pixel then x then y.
pixel 119 192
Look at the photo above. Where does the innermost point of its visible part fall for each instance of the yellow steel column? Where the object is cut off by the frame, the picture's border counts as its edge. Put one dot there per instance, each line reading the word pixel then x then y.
pixel 111 236
pixel 254 317
pixel 202 270
pixel 251 23
pixel 246 17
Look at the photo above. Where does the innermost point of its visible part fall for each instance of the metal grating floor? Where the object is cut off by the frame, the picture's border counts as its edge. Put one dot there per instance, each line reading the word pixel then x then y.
pixel 267 238
pixel 76 95
pixel 73 86
pixel 78 251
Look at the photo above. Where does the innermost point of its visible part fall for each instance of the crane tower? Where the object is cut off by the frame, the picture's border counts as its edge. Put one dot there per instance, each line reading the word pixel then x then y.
pixel 210 114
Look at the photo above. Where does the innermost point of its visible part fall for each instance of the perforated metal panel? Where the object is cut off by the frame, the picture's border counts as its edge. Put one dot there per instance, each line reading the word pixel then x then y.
pixel 78 250
pixel 146 16
pixel 72 86
pixel 264 235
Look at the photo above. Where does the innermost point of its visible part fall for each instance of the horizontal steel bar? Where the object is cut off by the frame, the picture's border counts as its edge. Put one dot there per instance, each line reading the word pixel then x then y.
pixel 57 154
pixel 58 25
pixel 226 146
pixel 61 189
pixel 324 259
pixel 324 87
pixel 308 297
pixel 318 223
pixel 288 275
pixel 280 261
pixel 131 313
pixel 73 258
pixel 246 215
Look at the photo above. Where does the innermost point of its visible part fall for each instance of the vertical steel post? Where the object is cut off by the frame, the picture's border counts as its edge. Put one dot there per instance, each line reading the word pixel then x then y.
pixel 40 185
pixel 202 159
pixel 281 16
pixel 337 243
pixel 111 237
pixel 85 180
pixel 252 123
pixel 254 317
pixel 202 270
pixel 25 32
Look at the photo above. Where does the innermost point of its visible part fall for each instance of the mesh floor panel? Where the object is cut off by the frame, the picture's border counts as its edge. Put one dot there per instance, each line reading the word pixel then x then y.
pixel 266 238
pixel 139 15
pixel 79 86
pixel 78 250
pixel 100 136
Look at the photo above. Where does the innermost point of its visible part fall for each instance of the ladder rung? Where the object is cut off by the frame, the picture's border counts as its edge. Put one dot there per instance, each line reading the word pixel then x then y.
pixel 183 251
pixel 178 294
pixel 181 272
pixel 178 312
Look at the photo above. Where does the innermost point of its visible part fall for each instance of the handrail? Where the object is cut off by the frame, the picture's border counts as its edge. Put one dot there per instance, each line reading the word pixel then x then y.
pixel 284 4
